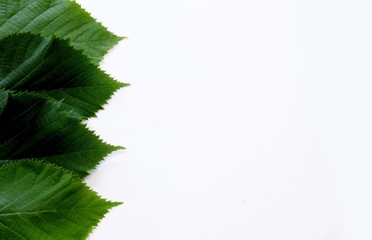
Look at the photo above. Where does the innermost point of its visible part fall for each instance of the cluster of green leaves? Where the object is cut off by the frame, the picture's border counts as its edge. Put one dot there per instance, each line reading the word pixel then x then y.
pixel 49 82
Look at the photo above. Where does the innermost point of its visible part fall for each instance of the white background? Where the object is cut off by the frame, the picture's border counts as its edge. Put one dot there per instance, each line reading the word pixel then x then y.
pixel 246 120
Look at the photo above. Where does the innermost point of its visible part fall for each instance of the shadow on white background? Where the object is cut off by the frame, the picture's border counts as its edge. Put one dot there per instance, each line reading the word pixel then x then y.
pixel 245 120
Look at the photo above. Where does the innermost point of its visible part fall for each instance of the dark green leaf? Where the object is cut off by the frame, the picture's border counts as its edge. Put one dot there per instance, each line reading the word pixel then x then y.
pixel 55 70
pixel 32 127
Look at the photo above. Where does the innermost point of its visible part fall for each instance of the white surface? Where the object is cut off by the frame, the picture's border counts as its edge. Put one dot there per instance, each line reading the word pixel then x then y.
pixel 246 120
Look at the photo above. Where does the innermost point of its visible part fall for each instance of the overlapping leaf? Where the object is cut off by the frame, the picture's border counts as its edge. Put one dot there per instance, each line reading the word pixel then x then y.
pixel 49 82
pixel 43 202
pixel 55 70
pixel 32 127
pixel 57 17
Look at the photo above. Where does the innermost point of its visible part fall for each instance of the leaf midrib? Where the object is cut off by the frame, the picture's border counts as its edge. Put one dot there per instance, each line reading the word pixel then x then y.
pixel 47 211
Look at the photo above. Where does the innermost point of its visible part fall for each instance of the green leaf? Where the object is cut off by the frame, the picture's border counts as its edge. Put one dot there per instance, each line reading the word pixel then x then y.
pixel 32 127
pixel 3 100
pixel 57 17
pixel 49 82
pixel 43 202
pixel 55 70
